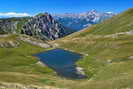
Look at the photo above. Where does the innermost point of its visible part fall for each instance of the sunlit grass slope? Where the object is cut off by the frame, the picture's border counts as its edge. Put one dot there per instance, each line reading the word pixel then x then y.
pixel 107 57
pixel 119 23
pixel 108 53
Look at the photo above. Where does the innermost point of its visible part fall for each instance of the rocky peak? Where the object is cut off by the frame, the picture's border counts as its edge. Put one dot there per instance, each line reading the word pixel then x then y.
pixel 93 11
pixel 7 26
pixel 44 26
pixel 82 20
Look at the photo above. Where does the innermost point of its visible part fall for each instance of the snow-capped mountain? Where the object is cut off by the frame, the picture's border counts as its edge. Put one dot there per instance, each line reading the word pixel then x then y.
pixel 82 20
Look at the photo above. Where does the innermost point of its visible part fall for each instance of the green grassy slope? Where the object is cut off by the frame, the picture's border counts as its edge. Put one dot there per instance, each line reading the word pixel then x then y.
pixel 18 65
pixel 107 58
pixel 120 23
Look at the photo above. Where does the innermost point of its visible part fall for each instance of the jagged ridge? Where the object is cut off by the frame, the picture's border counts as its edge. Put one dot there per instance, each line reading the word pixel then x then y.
pixel 44 26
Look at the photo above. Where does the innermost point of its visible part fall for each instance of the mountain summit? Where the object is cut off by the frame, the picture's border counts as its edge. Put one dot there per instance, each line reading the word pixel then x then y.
pixel 43 26
pixel 82 20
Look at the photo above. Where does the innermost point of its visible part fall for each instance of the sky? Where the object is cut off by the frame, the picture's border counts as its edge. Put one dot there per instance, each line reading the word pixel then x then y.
pixel 32 7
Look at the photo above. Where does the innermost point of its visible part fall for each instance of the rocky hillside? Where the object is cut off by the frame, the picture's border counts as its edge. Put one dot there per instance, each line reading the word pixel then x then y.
pixel 22 86
pixel 44 26
pixel 12 25
pixel 7 41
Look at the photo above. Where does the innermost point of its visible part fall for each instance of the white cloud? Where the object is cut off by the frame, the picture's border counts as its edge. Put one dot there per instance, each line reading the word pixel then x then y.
pixel 14 14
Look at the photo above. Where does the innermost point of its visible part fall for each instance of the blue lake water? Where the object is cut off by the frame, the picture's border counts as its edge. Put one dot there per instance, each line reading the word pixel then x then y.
pixel 61 61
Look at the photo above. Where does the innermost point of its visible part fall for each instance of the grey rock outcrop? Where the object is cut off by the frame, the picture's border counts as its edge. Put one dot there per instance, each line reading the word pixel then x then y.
pixel 43 26
pixel 9 44
pixel 22 86
pixel 7 26
pixel 34 41
pixel 12 25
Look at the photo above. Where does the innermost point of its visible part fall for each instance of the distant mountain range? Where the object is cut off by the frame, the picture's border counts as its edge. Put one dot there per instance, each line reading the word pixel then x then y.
pixel 50 27
pixel 82 20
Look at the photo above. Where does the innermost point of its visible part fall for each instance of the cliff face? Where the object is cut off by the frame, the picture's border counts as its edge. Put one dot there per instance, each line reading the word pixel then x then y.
pixel 44 26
